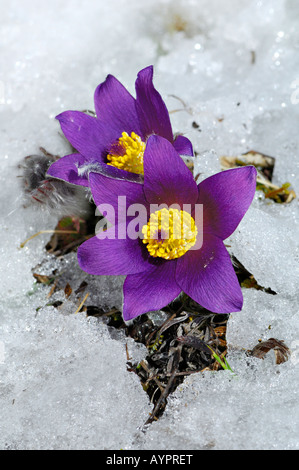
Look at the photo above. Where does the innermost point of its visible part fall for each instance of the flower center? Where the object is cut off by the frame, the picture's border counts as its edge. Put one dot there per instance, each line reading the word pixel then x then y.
pixel 127 153
pixel 169 233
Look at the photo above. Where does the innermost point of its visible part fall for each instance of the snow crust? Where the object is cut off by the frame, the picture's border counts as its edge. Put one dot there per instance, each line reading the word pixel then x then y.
pixel 232 69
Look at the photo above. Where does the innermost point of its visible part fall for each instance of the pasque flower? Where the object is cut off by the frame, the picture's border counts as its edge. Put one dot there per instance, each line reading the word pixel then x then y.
pixel 159 268
pixel 113 142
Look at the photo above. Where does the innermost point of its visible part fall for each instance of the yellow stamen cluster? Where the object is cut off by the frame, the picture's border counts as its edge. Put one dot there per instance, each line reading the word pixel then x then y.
pixel 132 159
pixel 169 234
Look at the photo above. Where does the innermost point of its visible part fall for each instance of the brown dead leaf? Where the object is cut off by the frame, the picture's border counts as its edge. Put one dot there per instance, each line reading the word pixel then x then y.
pixel 41 278
pixel 81 288
pixel 194 342
pixel 68 290
pixel 69 233
pixel 281 351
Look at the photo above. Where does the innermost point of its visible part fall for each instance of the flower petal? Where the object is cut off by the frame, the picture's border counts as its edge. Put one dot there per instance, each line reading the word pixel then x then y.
pixel 150 290
pixel 183 145
pixel 166 177
pixel 66 169
pixel 112 256
pixel 208 277
pixel 85 134
pixel 115 173
pixel 119 194
pixel 226 197
pixel 115 108
pixel 151 109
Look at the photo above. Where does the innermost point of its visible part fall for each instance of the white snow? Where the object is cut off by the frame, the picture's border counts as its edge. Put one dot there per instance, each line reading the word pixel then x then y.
pixel 233 68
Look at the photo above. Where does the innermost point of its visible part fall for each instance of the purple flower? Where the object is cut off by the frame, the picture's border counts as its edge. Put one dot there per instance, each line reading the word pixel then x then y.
pixel 113 142
pixel 158 269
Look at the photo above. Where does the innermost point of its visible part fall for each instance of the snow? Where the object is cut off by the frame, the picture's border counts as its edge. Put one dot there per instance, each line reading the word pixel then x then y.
pixel 230 67
pixel 254 408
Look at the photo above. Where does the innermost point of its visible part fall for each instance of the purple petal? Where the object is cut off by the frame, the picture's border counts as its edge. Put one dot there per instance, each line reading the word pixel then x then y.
pixel 66 169
pixel 183 146
pixel 166 177
pixel 151 109
pixel 115 108
pixel 226 197
pixel 112 256
pixel 108 191
pixel 85 134
pixel 116 173
pixel 208 277
pixel 150 290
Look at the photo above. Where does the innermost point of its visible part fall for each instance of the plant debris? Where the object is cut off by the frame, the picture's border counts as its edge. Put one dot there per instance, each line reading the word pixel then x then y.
pixel 68 290
pixel 247 279
pixel 185 343
pixel 281 351
pixel 265 165
pixel 69 233
pixel 42 279
pixel 190 340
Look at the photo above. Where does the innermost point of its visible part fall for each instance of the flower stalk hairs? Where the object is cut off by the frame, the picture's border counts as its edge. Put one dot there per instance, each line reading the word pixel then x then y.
pixel 113 142
pixel 172 249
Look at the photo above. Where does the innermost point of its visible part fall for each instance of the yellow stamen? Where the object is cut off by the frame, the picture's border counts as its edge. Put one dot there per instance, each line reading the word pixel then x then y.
pixel 132 158
pixel 169 234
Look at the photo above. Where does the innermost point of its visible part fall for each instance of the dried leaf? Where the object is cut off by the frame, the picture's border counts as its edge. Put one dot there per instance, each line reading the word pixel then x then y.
pixel 43 279
pixel 68 290
pixel 281 351
pixel 263 162
pixel 81 288
pixel 52 290
pixel 82 303
pixel 183 316
pixel 265 165
pixel 220 331
pixel 194 342
pixel 63 241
